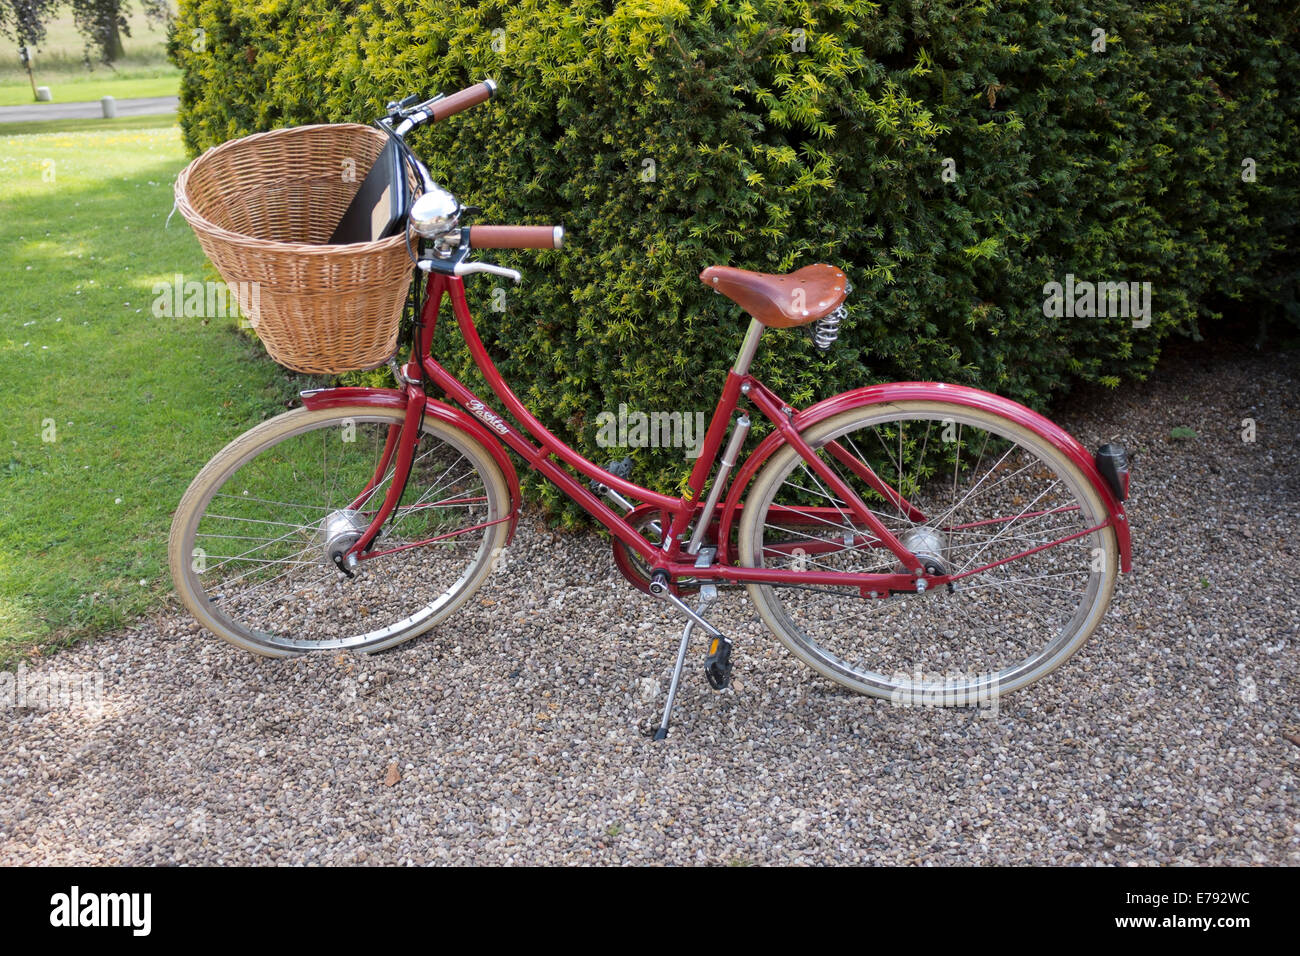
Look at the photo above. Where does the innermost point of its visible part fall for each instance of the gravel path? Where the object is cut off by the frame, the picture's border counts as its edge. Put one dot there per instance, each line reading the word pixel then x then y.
pixel 514 734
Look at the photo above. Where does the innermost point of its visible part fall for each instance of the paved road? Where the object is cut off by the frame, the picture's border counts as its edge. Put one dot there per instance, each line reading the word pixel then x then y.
pixel 144 106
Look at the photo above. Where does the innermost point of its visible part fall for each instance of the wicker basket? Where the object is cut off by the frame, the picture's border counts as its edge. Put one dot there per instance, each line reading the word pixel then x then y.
pixel 263 207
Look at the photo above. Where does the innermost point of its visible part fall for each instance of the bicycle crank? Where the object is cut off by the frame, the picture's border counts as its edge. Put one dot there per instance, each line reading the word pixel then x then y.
pixel 717 667
pixel 659 588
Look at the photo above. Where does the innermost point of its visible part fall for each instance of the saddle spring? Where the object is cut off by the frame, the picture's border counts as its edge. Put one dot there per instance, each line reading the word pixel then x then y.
pixel 827 329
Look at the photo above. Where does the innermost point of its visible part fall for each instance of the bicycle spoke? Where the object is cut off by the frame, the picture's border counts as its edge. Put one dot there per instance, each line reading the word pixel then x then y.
pixel 269 579
pixel 983 499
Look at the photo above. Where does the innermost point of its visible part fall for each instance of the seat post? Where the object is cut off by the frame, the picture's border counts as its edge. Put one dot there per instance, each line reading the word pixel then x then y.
pixel 748 347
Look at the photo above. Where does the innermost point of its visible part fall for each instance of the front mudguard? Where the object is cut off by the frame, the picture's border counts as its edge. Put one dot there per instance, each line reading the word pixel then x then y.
pixel 392 398
pixel 1059 438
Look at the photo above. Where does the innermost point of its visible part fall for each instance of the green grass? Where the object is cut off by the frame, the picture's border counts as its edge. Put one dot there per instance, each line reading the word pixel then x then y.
pixel 91 86
pixel 134 404
pixel 97 125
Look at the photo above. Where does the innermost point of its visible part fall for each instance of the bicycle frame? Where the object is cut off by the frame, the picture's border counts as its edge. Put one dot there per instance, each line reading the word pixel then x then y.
pixel 540 449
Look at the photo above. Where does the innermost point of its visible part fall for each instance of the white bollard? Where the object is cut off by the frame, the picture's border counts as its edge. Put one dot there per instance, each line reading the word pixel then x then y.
pixel 109 106
pixel 43 94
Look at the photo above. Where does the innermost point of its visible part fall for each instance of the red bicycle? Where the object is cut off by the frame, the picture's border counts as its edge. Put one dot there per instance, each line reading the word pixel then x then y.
pixel 918 541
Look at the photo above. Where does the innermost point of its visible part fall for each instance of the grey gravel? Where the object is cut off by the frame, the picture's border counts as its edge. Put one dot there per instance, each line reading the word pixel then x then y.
pixel 515 733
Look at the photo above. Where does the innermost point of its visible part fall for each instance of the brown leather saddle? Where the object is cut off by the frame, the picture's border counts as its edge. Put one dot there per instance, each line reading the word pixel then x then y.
pixel 781 301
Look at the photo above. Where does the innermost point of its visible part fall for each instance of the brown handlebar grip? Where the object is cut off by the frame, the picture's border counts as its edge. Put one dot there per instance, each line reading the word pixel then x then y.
pixel 516 237
pixel 470 96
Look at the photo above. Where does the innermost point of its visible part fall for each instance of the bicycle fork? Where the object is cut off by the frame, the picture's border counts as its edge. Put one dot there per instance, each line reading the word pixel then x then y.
pixel 398 449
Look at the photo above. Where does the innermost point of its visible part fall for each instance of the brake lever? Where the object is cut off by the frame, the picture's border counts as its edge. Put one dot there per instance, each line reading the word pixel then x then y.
pixel 399 107
pixel 457 266
pixel 469 268
pixel 410 105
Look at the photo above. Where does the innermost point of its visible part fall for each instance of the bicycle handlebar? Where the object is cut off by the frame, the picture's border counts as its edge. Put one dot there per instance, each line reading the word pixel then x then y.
pixel 472 237
pixel 457 102
pixel 516 237
pixel 412 115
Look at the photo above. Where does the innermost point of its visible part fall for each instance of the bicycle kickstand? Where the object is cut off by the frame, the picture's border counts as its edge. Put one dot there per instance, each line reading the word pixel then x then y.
pixel 708 594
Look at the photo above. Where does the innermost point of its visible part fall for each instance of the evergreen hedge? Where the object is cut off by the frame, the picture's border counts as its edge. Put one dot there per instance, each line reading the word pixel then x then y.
pixel 668 136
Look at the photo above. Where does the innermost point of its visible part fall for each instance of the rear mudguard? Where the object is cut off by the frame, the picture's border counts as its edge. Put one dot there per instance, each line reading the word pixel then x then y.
pixel 392 398
pixel 930 392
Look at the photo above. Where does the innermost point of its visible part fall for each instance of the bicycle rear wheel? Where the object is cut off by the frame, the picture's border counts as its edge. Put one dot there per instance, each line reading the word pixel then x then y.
pixel 973 489
pixel 251 542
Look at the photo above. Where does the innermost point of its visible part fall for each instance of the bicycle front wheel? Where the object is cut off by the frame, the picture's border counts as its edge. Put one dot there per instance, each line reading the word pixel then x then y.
pixel 253 538
pixel 969 493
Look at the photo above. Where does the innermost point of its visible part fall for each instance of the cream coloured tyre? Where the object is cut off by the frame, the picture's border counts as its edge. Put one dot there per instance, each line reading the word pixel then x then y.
pixel 251 541
pixel 976 489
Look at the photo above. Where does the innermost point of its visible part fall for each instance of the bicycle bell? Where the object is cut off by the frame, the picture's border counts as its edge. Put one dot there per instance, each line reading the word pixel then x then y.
pixel 435 214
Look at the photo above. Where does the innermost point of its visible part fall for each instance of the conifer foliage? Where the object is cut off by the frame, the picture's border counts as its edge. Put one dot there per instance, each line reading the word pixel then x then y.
pixel 956 158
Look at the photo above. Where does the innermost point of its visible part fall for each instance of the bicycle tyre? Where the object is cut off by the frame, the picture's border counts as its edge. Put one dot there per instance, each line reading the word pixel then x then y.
pixel 871 659
pixel 267 475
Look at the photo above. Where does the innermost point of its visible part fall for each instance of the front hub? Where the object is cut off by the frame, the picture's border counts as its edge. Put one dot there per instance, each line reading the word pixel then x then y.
pixel 339 532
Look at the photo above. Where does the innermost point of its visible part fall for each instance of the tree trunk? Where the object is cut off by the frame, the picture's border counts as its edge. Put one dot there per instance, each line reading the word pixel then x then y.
pixel 111 38
pixel 113 49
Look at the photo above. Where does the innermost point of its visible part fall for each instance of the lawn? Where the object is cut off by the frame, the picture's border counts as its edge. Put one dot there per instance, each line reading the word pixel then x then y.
pixel 124 84
pixel 106 412
pixel 93 124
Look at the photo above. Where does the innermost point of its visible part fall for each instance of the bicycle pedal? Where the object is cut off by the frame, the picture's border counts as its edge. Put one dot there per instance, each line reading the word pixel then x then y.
pixel 717 666
pixel 619 468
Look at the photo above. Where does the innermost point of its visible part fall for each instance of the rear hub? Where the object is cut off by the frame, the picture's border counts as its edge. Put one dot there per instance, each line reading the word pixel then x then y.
pixel 929 546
